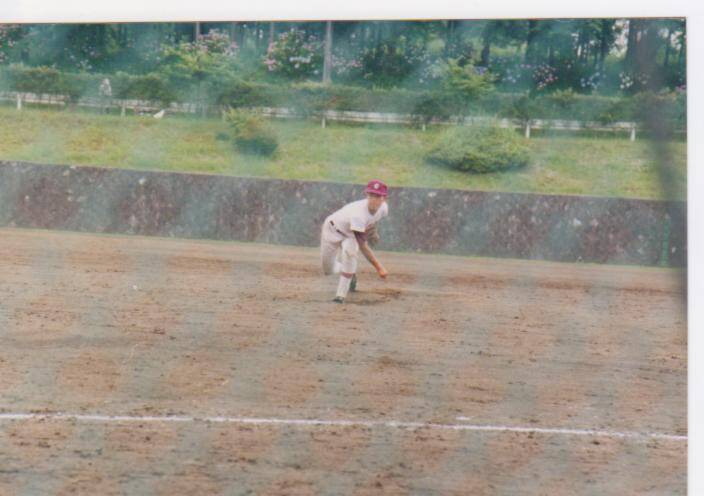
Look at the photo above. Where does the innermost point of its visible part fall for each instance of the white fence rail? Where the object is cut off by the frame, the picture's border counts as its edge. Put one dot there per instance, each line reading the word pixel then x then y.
pixel 392 118
pixel 145 106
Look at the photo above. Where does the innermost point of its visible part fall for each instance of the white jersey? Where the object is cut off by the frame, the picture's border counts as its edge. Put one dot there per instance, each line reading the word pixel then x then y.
pixel 354 216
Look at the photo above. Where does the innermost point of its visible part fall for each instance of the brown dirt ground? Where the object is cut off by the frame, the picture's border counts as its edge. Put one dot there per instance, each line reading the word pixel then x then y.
pixel 123 325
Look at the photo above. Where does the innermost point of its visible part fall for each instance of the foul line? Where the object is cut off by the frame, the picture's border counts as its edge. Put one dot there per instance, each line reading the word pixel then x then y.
pixel 337 423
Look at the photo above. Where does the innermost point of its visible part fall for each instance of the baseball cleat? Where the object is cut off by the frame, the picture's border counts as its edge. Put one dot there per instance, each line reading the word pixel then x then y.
pixel 338 299
pixel 353 283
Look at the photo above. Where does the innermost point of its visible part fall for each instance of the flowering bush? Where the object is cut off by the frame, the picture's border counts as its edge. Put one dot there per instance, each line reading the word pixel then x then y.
pixel 632 82
pixel 346 67
pixel 540 78
pixel 432 74
pixel 394 63
pixel 10 34
pixel 512 75
pixel 592 82
pixel 543 76
pixel 629 80
pixel 294 56
pixel 206 55
pixel 190 67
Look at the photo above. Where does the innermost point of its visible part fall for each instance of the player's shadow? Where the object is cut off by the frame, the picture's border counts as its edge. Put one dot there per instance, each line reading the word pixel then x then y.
pixel 373 297
pixel 363 298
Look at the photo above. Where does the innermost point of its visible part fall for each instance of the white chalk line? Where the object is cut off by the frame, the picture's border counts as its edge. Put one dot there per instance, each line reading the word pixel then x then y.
pixel 394 424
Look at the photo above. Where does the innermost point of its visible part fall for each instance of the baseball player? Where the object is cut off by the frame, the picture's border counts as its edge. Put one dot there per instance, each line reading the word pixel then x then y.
pixel 350 230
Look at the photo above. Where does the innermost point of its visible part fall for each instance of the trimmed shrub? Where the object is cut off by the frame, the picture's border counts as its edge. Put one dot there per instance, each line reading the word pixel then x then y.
pixel 434 105
pixel 35 79
pixel 467 84
pixel 251 133
pixel 48 80
pixel 479 149
pixel 617 110
pixel 238 93
pixel 523 108
pixel 309 98
pixel 148 87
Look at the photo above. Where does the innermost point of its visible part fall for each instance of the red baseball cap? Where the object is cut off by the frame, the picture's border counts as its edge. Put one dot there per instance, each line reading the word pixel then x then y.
pixel 376 187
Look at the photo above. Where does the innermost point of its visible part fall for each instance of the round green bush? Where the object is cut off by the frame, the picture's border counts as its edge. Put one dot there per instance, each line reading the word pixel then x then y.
pixel 479 149
pixel 251 133
pixel 143 87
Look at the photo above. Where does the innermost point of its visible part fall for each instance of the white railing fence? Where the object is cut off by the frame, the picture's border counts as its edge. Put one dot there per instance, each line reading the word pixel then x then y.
pixel 152 107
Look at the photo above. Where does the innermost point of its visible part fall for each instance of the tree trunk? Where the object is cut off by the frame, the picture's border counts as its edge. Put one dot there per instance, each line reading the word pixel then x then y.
pixel 632 43
pixel 530 41
pixel 650 47
pixel 196 31
pixel 241 33
pixel 272 28
pixel 449 36
pixel 604 46
pixel 255 26
pixel 667 47
pixel 683 43
pixel 487 38
pixel 580 47
pixel 233 32
pixel 486 52
pixel 327 61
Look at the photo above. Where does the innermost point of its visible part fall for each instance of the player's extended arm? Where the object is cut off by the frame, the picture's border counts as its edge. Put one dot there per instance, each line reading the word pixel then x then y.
pixel 373 237
pixel 369 254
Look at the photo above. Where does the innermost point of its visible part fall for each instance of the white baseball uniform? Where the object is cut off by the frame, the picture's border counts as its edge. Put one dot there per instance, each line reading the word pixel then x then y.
pixel 338 246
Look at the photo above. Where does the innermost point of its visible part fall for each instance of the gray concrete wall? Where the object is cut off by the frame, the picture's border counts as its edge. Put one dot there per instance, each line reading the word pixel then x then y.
pixel 547 227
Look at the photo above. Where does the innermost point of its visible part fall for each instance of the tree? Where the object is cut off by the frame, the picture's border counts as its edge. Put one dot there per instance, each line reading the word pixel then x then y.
pixel 633 39
pixel 189 65
pixel 327 60
pixel 531 37
pixel 645 41
pixel 607 37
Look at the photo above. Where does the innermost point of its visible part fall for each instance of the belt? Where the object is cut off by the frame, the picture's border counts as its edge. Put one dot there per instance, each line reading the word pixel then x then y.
pixel 333 226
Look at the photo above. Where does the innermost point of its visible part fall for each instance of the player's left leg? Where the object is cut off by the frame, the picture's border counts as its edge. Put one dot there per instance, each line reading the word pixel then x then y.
pixel 329 254
pixel 348 258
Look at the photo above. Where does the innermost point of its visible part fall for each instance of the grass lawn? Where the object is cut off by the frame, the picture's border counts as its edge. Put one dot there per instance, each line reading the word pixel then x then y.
pixel 564 164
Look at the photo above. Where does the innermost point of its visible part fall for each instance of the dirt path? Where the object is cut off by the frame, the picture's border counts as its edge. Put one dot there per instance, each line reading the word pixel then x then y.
pixel 118 325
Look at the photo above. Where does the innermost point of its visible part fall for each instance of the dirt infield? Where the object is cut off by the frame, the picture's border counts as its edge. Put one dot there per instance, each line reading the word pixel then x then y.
pixel 233 373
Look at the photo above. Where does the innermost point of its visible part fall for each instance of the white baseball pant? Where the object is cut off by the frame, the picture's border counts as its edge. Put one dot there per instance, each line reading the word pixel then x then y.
pixel 337 255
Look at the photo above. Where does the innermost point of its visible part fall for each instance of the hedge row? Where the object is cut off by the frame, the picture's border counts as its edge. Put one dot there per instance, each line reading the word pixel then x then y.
pixel 76 85
pixel 307 98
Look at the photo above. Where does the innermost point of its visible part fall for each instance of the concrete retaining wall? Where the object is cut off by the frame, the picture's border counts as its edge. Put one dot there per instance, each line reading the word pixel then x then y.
pixel 548 227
